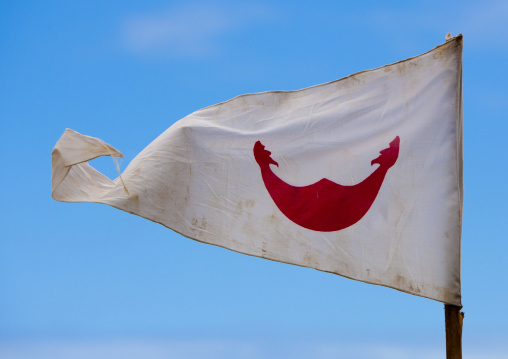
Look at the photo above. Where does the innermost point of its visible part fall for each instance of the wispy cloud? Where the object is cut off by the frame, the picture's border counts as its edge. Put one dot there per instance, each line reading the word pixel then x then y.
pixel 485 23
pixel 224 349
pixel 193 30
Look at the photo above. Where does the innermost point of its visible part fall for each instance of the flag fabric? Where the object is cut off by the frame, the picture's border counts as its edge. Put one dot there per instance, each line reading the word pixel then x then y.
pixel 361 177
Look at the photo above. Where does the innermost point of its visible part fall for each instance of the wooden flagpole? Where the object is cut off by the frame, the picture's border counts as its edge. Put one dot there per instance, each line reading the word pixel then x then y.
pixel 453 323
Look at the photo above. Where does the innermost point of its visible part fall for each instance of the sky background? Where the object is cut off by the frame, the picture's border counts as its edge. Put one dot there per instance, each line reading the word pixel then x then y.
pixel 90 281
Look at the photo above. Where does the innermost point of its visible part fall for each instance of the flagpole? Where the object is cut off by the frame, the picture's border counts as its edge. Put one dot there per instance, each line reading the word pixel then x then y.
pixel 453 323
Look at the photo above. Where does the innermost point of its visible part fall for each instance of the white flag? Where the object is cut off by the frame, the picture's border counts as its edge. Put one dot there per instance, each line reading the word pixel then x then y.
pixel 361 177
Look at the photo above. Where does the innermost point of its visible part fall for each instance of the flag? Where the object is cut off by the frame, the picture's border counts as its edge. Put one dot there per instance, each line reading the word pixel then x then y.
pixel 361 177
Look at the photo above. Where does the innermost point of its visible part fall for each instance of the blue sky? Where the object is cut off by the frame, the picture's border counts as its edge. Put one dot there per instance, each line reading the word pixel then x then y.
pixel 89 281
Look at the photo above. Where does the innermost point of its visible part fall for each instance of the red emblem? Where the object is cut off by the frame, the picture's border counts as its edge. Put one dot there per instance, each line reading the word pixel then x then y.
pixel 325 206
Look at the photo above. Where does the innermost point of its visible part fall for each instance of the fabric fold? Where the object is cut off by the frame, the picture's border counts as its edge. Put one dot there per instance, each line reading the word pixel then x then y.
pixel 361 177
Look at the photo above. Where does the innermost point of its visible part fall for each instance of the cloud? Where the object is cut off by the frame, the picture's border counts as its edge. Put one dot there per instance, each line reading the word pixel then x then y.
pixel 193 30
pixel 125 349
pixel 483 24
pixel 486 23
pixel 225 349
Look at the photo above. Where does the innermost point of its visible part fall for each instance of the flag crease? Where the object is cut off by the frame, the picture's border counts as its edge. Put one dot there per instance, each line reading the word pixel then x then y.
pixel 361 177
